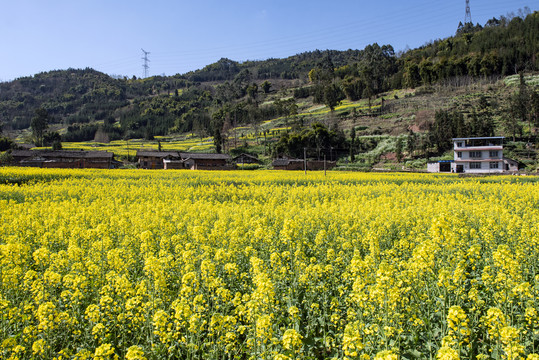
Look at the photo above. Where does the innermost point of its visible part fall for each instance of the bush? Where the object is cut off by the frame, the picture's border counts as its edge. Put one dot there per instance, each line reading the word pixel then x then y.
pixel 248 166
pixel 6 144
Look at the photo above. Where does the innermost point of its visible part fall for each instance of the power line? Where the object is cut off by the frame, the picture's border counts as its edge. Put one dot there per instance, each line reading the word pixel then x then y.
pixel 145 66
pixel 468 16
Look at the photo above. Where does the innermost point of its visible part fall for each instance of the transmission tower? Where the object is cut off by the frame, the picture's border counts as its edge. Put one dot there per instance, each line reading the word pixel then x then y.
pixel 468 16
pixel 145 66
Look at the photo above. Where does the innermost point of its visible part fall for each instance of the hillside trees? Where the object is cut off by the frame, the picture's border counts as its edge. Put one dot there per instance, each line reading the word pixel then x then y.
pixel 371 73
pixel 376 66
pixel 316 140
pixel 503 46
pixel 327 90
pixel 447 125
pixel 40 123
pixel 523 108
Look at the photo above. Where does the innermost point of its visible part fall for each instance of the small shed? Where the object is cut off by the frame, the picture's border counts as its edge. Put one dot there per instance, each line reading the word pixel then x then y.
pixel 440 166
pixel 510 165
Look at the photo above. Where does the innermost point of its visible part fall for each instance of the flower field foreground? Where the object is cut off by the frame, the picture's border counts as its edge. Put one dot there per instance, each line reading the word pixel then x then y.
pixel 267 265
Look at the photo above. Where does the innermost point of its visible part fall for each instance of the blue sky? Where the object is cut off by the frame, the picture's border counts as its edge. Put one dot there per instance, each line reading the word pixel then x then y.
pixel 181 36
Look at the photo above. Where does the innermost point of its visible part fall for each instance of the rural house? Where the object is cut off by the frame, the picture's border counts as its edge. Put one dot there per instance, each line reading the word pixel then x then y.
pixel 149 159
pixel 246 159
pixel 69 159
pixel 200 161
pixel 178 160
pixel 477 155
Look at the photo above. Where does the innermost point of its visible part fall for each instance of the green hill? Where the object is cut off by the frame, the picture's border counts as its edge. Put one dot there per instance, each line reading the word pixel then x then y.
pixel 374 91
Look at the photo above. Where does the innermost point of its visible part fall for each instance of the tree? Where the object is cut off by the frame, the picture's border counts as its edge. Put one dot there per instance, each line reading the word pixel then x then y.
pixel 52 138
pixel 535 107
pixel 480 125
pixel 443 129
pixel 511 125
pixel 333 95
pixel 6 144
pixel 39 123
pixel 217 139
pixel 252 90
pixel 398 149
pixel 425 71
pixel 520 110
pixel 352 144
pixel 266 86
pixel 411 75
pixel 57 145
pixel 411 142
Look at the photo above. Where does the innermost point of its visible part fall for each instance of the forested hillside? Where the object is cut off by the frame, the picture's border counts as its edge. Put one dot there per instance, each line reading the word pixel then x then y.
pixel 86 104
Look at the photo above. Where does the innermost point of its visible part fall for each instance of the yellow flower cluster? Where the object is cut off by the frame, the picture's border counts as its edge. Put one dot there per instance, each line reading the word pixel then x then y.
pixel 137 265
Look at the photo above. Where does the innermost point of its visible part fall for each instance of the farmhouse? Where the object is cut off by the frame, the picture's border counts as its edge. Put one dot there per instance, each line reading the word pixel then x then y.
pixel 198 161
pixel 70 159
pixel 178 160
pixel 246 159
pixel 476 155
pixel 154 159
pixel 287 164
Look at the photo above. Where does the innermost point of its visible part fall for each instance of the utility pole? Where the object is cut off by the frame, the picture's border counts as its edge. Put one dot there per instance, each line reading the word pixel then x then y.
pixel 145 66
pixel 305 160
pixel 468 16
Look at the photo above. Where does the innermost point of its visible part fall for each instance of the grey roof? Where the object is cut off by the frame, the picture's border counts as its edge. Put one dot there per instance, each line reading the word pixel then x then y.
pixel 157 154
pixel 483 138
pixel 510 160
pixel 284 162
pixel 204 156
pixel 62 154
pixel 280 162
pixel 245 155
pixel 182 155
pixel 25 153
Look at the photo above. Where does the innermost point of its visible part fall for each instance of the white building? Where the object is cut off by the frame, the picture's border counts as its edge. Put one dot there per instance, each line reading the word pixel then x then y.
pixel 476 155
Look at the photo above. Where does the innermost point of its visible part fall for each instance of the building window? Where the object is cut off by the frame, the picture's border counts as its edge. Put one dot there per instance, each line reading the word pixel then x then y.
pixel 459 154
pixel 475 165
pixel 475 154
pixel 494 164
pixel 493 154
pixel 459 144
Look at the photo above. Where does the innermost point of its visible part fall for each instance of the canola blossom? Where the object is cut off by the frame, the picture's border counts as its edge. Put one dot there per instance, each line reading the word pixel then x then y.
pixel 121 264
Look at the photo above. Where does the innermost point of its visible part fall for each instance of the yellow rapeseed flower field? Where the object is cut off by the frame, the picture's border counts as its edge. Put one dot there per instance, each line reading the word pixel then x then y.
pixel 135 264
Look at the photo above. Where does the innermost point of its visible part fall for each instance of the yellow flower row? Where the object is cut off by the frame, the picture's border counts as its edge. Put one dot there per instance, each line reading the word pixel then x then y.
pixel 136 264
